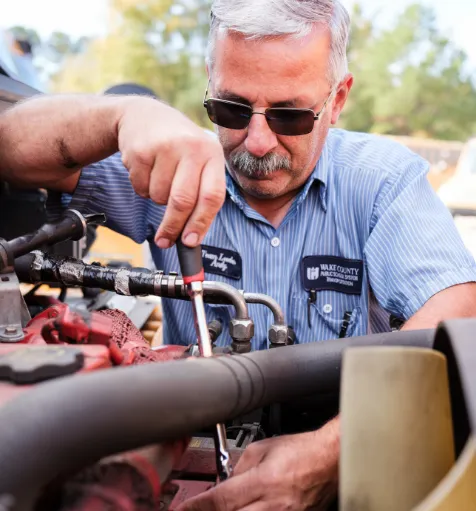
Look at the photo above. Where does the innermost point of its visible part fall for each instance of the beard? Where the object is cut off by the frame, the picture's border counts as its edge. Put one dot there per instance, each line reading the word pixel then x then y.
pixel 259 168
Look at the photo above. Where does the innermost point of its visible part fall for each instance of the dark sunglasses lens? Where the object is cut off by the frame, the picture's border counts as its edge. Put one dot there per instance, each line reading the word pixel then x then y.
pixel 228 115
pixel 286 121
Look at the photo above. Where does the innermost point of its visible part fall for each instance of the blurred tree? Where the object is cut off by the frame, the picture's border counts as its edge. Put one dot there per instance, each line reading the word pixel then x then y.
pixel 54 48
pixel 409 79
pixel 49 54
pixel 26 34
pixel 157 43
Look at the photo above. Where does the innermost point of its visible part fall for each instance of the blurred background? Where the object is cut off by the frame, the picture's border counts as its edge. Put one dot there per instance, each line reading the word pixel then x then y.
pixel 414 64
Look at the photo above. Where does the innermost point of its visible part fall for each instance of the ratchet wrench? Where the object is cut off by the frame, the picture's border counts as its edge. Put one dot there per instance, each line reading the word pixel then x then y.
pixel 191 267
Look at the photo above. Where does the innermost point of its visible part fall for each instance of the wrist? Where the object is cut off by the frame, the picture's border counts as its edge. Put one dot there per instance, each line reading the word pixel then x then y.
pixel 319 473
pixel 325 444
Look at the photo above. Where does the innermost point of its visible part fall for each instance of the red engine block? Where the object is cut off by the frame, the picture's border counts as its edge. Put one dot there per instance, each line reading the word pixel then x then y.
pixel 96 341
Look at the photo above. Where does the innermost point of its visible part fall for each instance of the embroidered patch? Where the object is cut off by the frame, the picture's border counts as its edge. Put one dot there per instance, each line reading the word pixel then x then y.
pixel 320 273
pixel 221 261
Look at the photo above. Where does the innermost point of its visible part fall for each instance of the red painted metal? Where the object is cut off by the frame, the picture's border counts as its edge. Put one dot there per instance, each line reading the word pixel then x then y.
pixel 130 481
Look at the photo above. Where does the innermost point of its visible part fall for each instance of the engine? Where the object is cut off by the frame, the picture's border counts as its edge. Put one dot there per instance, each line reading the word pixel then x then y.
pixel 93 418
pixel 64 339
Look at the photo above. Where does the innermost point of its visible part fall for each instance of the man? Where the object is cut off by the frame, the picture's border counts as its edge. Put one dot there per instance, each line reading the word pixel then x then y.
pixel 341 229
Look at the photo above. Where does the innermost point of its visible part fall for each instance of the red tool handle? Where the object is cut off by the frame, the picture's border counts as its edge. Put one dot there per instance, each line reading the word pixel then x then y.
pixel 191 263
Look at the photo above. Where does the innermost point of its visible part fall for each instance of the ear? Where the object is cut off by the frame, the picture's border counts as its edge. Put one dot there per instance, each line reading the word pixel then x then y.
pixel 341 97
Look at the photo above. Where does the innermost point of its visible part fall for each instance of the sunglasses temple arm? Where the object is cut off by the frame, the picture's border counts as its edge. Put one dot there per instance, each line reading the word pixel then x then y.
pixel 333 91
pixel 206 92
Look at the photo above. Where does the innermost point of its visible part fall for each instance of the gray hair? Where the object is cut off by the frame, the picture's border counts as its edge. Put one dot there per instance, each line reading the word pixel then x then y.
pixel 258 19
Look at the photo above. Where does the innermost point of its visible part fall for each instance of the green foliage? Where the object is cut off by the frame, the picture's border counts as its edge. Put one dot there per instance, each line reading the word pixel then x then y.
pixel 157 43
pixel 409 79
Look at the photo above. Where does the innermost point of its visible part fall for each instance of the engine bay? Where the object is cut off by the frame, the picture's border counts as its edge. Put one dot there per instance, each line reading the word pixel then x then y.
pixel 86 430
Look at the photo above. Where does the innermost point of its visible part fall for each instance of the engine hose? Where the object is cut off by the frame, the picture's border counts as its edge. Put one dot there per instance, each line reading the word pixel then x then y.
pixel 41 267
pixel 73 225
pixel 66 424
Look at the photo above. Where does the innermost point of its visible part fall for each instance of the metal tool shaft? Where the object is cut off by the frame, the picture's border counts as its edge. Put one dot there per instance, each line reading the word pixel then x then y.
pixel 191 265
pixel 195 291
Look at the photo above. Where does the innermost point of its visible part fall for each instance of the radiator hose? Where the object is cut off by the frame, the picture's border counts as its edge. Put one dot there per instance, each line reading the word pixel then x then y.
pixel 66 424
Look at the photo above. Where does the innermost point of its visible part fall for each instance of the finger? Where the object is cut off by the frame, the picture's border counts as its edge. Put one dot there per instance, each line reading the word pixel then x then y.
pixel 231 495
pixel 259 505
pixel 139 169
pixel 182 199
pixel 210 200
pixel 251 458
pixel 254 454
pixel 161 178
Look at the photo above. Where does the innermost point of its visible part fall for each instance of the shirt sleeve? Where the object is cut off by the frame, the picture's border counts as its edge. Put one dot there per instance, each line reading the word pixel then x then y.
pixel 104 187
pixel 414 250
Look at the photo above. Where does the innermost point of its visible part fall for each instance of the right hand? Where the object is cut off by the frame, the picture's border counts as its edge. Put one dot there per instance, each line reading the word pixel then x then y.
pixel 176 163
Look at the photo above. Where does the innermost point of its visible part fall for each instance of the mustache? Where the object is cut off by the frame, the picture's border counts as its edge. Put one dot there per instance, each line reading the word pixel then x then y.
pixel 251 166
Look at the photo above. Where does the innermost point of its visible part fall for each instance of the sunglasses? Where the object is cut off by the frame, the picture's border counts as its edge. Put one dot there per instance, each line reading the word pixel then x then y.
pixel 281 120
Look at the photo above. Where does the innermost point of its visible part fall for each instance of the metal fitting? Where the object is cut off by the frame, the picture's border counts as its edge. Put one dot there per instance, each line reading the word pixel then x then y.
pixel 241 331
pixel 281 335
pixel 269 302
pixel 278 335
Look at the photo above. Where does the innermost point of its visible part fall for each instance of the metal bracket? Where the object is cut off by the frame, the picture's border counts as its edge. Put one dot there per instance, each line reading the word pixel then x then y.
pixel 14 313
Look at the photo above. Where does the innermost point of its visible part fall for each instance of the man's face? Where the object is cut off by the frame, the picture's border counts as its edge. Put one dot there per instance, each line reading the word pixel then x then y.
pixel 279 72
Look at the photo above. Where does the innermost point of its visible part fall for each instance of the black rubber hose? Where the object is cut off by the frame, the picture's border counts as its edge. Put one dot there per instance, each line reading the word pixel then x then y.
pixel 72 226
pixel 22 267
pixel 455 339
pixel 66 424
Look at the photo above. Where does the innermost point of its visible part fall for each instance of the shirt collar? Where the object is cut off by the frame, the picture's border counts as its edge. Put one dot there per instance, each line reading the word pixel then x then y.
pixel 319 174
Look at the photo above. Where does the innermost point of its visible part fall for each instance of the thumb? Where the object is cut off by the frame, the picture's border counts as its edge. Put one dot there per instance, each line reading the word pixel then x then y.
pixel 231 495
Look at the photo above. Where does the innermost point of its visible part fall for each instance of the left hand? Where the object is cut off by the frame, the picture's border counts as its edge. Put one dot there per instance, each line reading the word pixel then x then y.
pixel 294 472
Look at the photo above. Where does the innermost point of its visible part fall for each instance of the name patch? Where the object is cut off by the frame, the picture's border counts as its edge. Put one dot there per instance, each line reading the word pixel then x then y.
pixel 320 273
pixel 221 261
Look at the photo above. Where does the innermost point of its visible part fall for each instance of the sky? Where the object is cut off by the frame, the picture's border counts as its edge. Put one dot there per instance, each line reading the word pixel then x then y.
pixel 457 18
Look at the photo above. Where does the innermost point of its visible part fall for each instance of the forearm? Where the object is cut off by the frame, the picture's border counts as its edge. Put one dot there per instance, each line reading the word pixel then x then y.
pixel 45 141
pixel 452 303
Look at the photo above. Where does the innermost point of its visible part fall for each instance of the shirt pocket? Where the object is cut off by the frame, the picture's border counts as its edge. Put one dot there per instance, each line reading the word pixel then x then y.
pixel 324 318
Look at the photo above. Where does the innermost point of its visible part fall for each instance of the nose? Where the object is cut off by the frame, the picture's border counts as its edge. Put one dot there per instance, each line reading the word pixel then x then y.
pixel 260 140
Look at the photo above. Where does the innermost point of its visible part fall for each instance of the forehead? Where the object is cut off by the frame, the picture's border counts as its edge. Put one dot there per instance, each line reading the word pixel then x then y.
pixel 273 69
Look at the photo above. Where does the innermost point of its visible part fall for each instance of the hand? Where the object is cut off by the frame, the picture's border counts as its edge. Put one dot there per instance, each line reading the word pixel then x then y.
pixel 295 472
pixel 174 162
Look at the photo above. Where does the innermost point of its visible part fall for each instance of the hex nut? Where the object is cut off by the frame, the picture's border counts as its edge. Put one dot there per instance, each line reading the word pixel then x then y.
pixel 278 334
pixel 241 329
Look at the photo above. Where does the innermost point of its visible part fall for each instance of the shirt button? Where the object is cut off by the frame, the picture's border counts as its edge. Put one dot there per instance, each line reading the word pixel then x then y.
pixel 327 309
pixel 275 242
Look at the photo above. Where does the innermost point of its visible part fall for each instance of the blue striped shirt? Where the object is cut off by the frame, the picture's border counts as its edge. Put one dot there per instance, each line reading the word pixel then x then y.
pixel 367 199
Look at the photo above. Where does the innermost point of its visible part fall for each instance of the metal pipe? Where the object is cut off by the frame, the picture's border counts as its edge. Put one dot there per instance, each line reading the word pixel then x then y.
pixel 232 295
pixel 269 302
